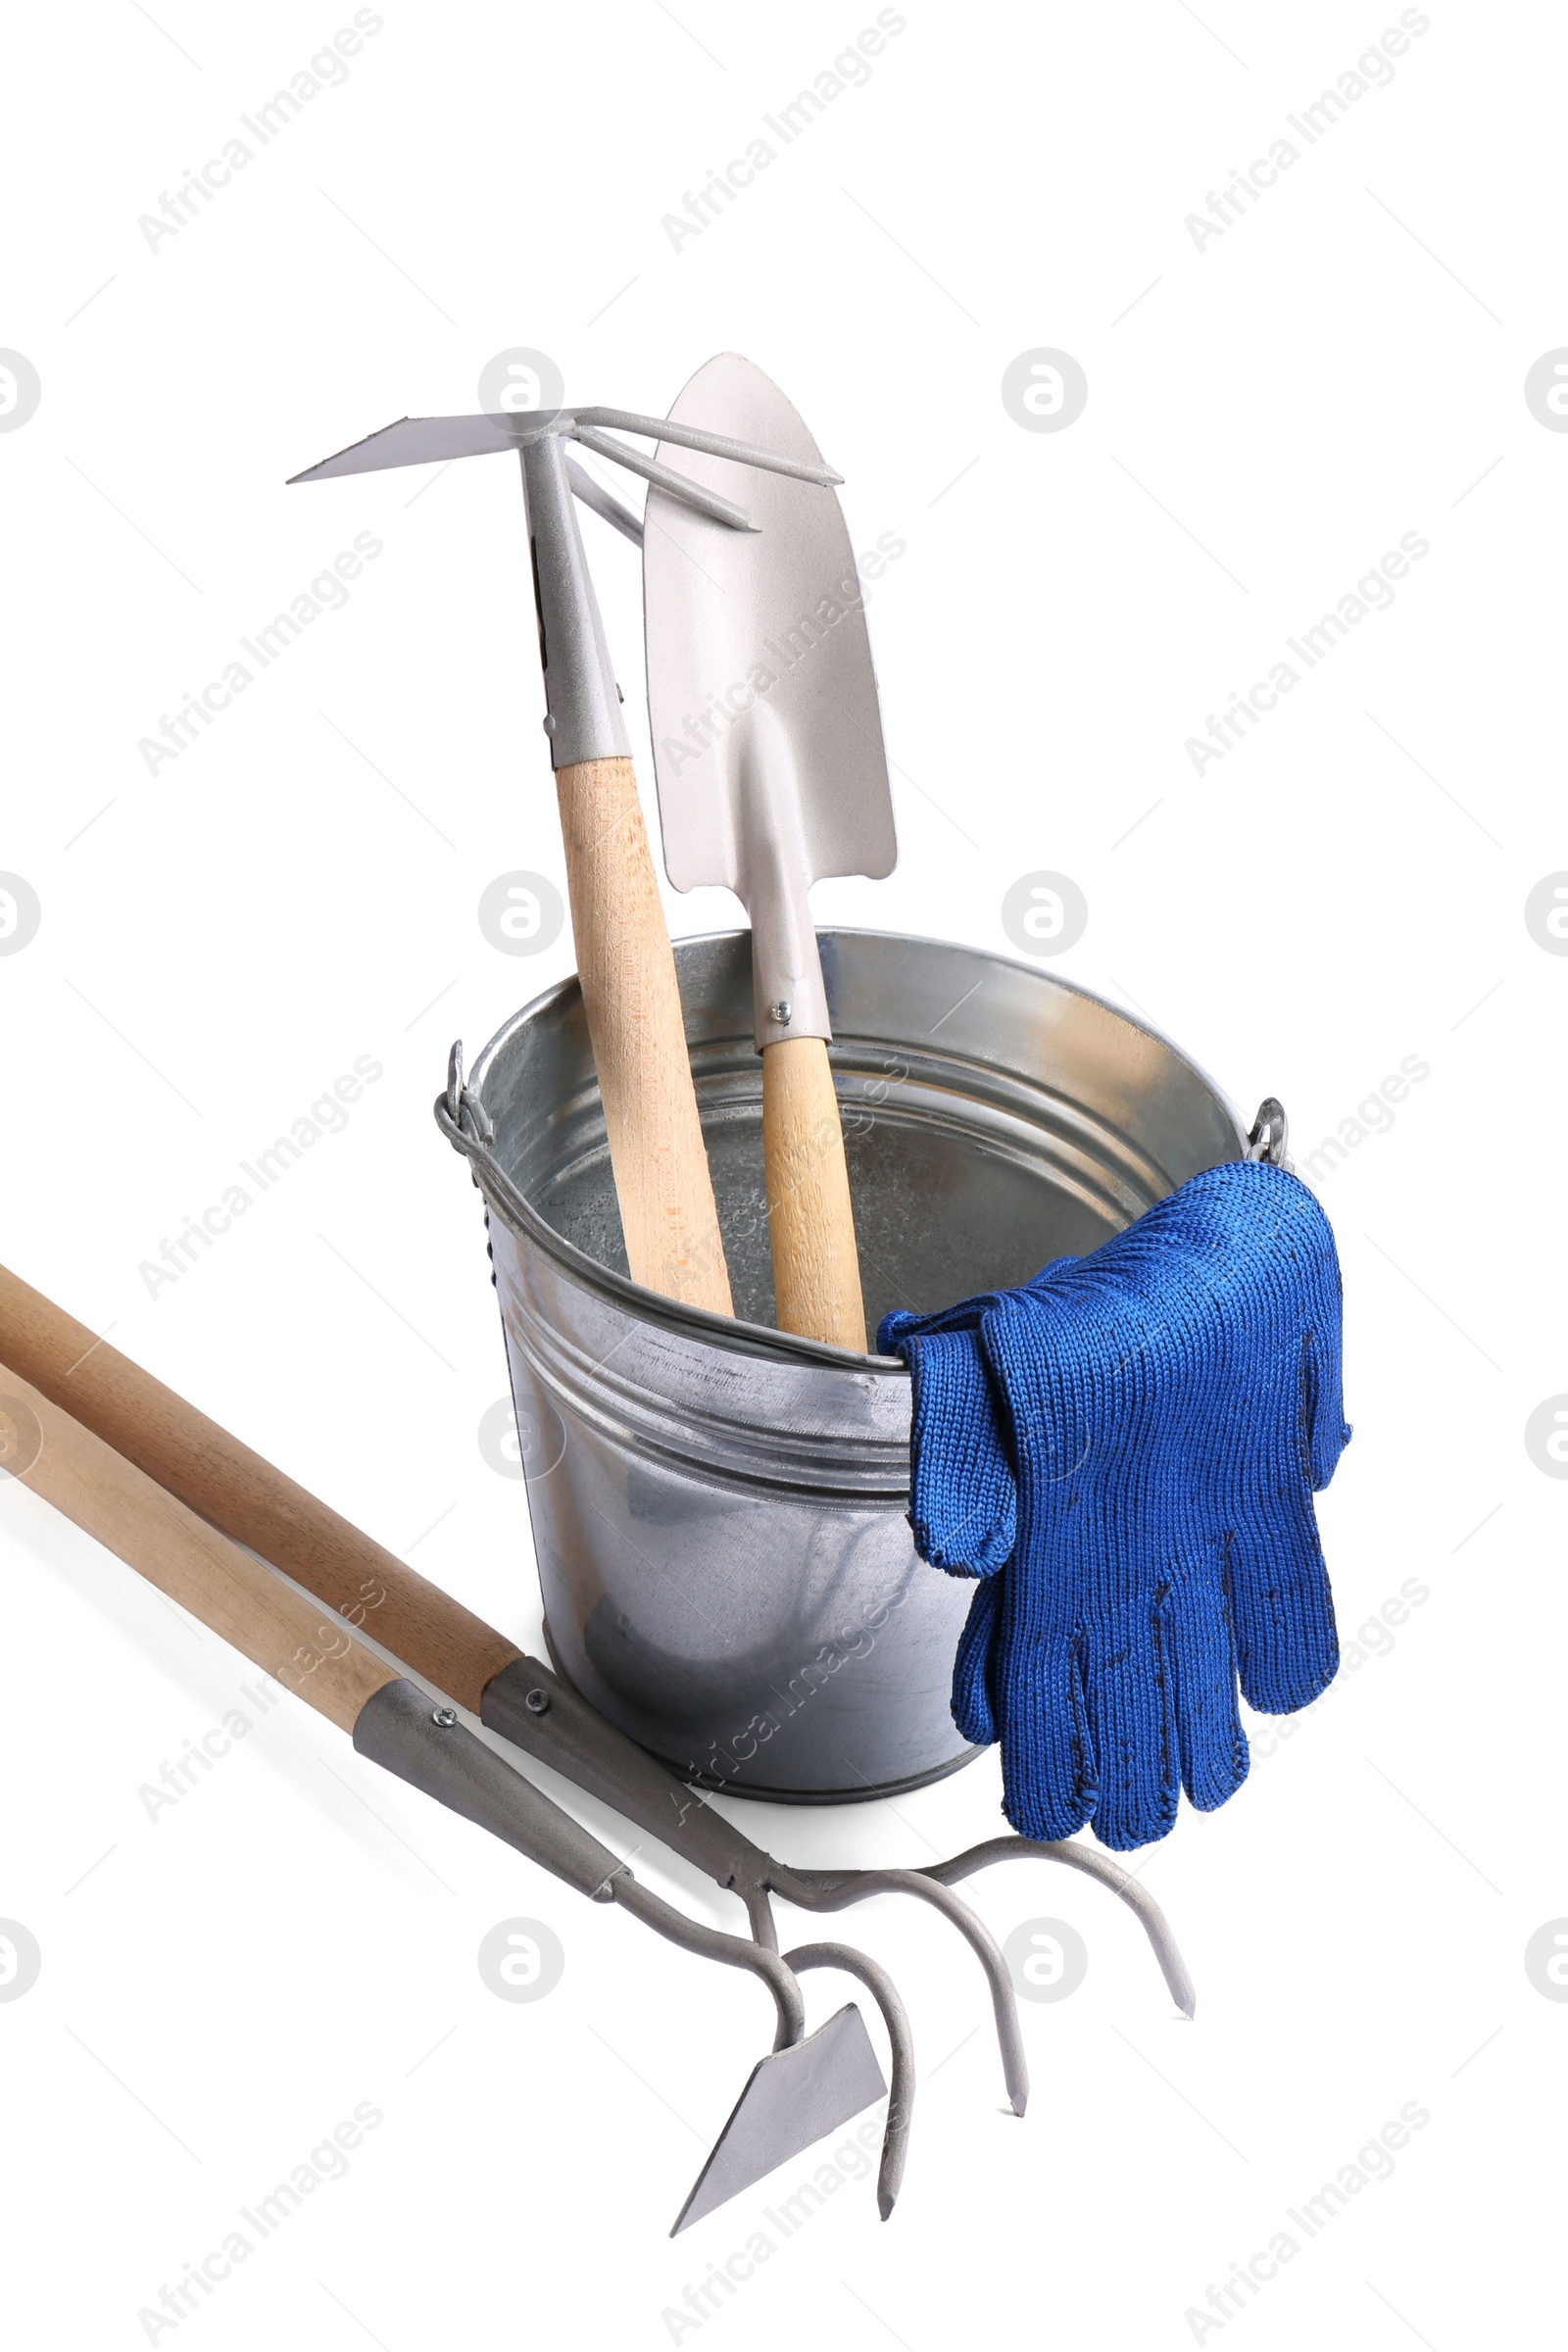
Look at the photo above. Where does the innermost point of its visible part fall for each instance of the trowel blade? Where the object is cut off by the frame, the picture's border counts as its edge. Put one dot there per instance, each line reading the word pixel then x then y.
pixel 426 441
pixel 794 2099
pixel 760 687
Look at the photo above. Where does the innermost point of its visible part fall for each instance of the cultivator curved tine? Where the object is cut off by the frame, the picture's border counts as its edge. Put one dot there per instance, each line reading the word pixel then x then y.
pixel 1094 1865
pixel 836 1889
pixel 901 2098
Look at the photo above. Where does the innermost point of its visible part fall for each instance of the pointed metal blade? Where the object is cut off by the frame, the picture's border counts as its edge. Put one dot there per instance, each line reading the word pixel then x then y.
pixel 760 687
pixel 794 2099
pixel 429 440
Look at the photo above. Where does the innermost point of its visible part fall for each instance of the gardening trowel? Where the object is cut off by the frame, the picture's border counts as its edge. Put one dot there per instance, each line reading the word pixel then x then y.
pixel 768 749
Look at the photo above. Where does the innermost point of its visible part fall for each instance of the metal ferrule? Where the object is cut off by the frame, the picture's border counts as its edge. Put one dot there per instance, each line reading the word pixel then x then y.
pixel 583 702
pixel 529 1705
pixel 400 1728
pixel 787 991
pixel 774 877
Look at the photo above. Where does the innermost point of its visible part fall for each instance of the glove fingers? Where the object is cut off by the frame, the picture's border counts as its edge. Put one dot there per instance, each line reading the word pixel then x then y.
pixel 1287 1645
pixel 974 1703
pixel 1130 1688
pixel 963 1497
pixel 1199 1636
pixel 1048 1755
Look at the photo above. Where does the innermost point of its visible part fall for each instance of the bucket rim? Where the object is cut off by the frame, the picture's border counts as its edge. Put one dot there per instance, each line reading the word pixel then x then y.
pixel 732 1332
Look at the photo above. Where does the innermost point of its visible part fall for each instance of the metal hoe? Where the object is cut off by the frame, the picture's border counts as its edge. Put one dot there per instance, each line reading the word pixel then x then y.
pixel 631 998
pixel 176 1496
pixel 810 2086
pixel 768 749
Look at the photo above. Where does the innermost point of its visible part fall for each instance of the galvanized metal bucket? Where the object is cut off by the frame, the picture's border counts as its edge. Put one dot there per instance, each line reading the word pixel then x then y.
pixel 719 1509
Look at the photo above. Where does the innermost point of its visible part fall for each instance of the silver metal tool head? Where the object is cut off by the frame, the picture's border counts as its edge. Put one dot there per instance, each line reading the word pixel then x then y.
pixel 437 440
pixel 767 734
pixel 794 2099
pixel 583 699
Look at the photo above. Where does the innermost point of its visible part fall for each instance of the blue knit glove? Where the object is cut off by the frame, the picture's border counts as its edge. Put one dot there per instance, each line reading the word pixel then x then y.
pixel 1132 1440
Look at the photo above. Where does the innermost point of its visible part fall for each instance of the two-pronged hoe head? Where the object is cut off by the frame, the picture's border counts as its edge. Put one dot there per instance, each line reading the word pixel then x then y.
pixel 437 440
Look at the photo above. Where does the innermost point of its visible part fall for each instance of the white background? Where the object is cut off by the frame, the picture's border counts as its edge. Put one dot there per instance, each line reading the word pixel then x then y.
pixel 1265 417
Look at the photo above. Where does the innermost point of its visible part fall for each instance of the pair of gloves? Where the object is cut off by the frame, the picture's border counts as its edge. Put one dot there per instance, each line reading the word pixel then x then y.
pixel 1123 1453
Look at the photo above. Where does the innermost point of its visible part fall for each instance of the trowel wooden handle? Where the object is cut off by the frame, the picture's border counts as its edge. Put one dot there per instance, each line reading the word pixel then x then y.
pixel 627 972
pixel 817 1271
pixel 222 1480
pixel 292 1638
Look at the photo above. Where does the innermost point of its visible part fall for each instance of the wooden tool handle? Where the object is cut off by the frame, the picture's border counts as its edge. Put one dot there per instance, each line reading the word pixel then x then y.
pixel 290 1638
pixel 627 972
pixel 817 1271
pixel 234 1489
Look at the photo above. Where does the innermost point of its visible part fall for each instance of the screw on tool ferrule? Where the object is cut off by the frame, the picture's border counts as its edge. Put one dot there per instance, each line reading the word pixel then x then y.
pixel 537 1703
pixel 782 1013
pixel 446 1717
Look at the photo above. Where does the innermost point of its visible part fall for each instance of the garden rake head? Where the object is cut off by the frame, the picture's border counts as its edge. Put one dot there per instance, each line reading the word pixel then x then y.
pixel 528 1704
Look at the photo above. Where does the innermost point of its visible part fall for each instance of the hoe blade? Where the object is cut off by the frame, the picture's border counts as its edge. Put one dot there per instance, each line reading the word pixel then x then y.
pixel 794 2099
pixel 426 441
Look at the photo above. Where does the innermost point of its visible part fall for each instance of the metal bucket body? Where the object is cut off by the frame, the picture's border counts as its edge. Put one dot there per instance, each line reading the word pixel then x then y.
pixel 719 1509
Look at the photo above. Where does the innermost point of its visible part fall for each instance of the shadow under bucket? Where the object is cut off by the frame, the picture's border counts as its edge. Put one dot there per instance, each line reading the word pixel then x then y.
pixel 719 1509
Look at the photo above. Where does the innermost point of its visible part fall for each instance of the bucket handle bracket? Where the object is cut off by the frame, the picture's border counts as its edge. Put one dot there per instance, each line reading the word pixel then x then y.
pixel 1269 1133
